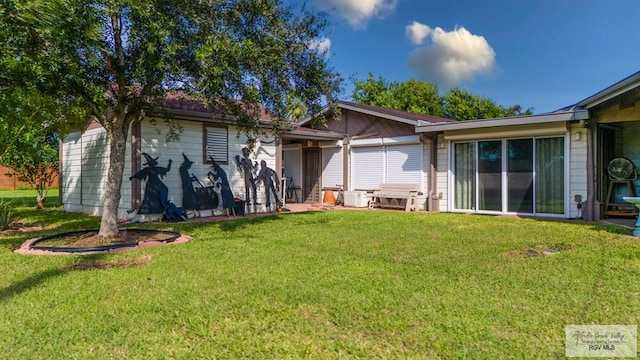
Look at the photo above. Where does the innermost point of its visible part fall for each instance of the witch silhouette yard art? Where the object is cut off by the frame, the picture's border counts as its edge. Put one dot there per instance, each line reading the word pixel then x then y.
pixel 156 193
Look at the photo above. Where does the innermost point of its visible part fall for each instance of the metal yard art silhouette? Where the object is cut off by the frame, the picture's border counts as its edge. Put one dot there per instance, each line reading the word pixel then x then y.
pixel 254 175
pixel 220 180
pixel 196 196
pixel 249 170
pixel 155 192
pixel 271 182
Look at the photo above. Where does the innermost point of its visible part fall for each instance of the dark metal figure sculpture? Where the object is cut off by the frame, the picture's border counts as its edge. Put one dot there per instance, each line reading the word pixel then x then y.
pixel 271 183
pixel 156 192
pixel 219 178
pixel 249 169
pixel 198 198
pixel 189 198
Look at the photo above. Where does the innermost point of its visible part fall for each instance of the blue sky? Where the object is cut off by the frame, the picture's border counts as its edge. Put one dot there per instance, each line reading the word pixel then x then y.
pixel 543 54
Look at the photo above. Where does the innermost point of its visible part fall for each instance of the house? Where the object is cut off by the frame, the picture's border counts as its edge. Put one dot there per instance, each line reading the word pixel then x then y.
pixel 368 145
pixel 552 164
pixel 209 159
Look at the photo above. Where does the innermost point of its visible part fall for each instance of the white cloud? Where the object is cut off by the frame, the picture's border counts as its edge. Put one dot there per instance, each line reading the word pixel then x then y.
pixel 449 58
pixel 321 45
pixel 358 12
pixel 417 32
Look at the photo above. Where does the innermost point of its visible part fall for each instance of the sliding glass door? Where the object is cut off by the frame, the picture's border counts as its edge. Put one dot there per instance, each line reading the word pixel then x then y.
pixel 550 172
pixel 524 176
pixel 490 175
pixel 465 176
pixel 520 175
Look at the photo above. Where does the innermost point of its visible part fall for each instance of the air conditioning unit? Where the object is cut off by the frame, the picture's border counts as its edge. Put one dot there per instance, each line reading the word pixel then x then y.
pixel 356 199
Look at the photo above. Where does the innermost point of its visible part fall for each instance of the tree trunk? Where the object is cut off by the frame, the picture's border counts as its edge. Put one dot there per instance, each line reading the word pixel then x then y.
pixel 40 198
pixel 117 150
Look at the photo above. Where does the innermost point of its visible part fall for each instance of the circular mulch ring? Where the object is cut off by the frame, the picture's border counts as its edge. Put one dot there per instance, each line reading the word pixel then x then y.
pixel 88 242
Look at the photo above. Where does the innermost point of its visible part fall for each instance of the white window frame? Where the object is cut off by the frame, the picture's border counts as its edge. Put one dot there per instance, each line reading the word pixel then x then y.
pixel 566 180
pixel 216 143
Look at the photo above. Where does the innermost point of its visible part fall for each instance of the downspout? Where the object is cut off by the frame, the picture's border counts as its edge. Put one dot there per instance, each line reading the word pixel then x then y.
pixel 82 170
pixel 590 212
pixel 433 202
pixel 345 163
pixel 280 170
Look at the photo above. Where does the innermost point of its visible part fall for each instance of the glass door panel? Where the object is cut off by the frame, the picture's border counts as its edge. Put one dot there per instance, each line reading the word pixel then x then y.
pixel 490 175
pixel 520 175
pixel 465 176
pixel 550 175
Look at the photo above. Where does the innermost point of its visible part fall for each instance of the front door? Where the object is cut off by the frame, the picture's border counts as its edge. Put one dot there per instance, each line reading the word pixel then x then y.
pixel 311 164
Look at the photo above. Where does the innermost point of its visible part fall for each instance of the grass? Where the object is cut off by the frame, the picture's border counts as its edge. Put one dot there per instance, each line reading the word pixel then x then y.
pixel 331 284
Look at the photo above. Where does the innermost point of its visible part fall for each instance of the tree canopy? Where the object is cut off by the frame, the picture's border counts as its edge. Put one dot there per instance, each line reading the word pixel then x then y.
pixel 118 58
pixel 422 97
pixel 31 124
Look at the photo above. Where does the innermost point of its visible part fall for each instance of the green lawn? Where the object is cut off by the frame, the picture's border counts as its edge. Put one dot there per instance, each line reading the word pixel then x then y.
pixel 331 284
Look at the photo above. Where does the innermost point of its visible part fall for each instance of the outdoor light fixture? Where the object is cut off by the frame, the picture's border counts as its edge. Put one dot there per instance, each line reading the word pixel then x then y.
pixel 578 136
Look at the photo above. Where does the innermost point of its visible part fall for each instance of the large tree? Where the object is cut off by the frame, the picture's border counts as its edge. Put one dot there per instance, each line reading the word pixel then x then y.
pixel 423 98
pixel 120 57
pixel 413 95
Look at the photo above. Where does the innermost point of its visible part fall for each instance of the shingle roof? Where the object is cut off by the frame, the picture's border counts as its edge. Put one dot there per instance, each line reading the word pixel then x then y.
pixel 181 101
pixel 397 113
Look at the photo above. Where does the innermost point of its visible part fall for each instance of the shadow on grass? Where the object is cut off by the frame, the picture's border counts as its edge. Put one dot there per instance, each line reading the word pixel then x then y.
pixel 34 280
pixel 302 217
pixel 29 283
pixel 247 221
pixel 591 225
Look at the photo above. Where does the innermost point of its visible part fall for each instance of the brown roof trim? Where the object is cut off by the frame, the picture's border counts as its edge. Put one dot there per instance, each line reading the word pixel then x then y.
pixel 315 134
pixel 386 113
pixel 396 113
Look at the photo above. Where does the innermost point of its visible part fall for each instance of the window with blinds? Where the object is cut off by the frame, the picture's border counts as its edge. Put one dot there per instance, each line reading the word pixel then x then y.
pixel 216 141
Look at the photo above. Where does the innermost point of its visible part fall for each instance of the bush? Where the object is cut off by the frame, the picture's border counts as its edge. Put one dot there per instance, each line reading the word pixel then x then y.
pixel 6 214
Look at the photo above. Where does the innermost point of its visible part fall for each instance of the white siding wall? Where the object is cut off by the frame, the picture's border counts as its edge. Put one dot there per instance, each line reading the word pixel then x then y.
pixel 191 144
pixel 577 168
pixel 86 162
pixel 71 169
pixel 95 164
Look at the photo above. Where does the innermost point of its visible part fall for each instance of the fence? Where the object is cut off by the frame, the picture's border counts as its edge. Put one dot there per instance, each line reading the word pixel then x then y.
pixel 8 180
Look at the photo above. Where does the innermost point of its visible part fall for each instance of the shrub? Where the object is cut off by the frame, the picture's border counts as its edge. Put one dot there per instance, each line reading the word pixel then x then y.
pixel 6 214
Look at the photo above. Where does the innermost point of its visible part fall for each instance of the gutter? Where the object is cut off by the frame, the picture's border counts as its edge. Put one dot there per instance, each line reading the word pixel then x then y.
pixel 575 115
